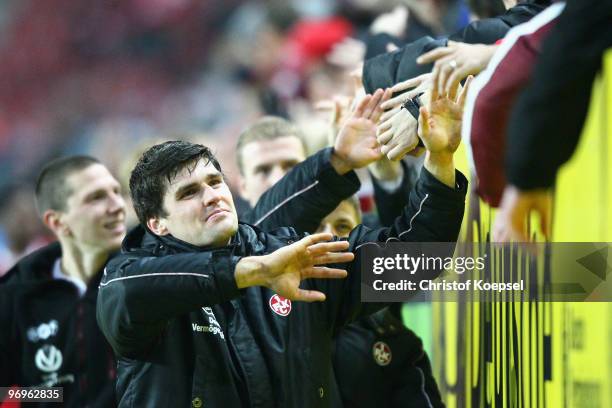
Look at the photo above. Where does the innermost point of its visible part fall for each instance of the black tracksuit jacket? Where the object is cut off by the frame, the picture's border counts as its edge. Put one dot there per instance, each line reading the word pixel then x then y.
pixel 362 381
pixel 49 335
pixel 31 300
pixel 184 334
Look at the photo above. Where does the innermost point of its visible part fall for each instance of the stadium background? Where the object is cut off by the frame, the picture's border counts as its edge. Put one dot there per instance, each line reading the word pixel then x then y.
pixel 89 77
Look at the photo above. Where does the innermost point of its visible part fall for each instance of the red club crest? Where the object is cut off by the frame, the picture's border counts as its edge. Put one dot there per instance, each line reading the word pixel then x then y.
pixel 280 305
pixel 381 353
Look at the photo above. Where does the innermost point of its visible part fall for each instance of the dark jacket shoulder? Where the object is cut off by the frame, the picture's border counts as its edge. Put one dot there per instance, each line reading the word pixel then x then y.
pixel 35 266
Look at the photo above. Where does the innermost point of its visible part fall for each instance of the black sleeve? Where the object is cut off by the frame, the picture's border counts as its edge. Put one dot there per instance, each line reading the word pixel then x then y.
pixel 387 69
pixel 138 295
pixel 548 117
pixel 376 44
pixel 304 196
pixel 389 205
pixel 489 30
pixel 433 213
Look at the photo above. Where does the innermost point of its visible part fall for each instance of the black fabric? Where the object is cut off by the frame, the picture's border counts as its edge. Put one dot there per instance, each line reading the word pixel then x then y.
pixel 404 380
pixel 385 70
pixel 45 317
pixel 390 204
pixel 157 301
pixel 548 117
pixel 413 105
pixel 377 44
pixel 489 30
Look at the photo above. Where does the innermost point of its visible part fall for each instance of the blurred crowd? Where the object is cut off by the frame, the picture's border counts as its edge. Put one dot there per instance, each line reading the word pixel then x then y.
pixel 104 77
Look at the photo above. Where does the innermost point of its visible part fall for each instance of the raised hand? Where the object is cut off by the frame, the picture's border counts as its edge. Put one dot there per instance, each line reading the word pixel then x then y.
pixel 397 134
pixel 440 131
pixel 284 269
pixel 440 123
pixel 356 145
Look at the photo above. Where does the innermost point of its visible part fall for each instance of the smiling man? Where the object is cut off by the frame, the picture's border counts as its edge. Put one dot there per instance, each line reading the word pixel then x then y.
pixel 208 223
pixel 48 331
pixel 204 311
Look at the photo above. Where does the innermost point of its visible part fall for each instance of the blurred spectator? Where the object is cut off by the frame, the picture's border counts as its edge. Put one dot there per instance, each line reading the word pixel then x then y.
pixel 49 336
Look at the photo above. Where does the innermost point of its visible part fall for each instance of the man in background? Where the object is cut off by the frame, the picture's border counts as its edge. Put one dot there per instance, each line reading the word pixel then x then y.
pixel 48 331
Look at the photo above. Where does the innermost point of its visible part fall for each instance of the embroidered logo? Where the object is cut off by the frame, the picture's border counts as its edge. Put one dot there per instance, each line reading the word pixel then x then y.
pixel 381 353
pixel 280 305
pixel 48 358
pixel 43 331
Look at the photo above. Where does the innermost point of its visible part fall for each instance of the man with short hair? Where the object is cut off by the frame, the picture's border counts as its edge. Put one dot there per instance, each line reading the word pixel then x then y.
pixel 198 308
pixel 266 151
pixel 48 334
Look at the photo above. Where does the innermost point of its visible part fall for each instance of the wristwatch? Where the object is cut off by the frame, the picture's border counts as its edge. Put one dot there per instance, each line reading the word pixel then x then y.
pixel 413 105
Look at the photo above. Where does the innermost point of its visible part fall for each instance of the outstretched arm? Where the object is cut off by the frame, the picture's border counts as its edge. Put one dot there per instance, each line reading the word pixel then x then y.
pixel 315 187
pixel 433 213
pixel 138 295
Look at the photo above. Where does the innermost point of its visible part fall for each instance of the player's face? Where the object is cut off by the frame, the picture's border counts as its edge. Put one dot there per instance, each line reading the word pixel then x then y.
pixel 265 162
pixel 95 209
pixel 200 208
pixel 341 221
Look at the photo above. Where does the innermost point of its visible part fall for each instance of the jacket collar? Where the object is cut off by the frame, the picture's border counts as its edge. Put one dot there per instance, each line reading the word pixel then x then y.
pixel 142 238
pixel 38 267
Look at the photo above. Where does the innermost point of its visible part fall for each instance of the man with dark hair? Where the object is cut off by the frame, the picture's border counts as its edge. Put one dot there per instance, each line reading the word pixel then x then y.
pixel 48 334
pixel 198 308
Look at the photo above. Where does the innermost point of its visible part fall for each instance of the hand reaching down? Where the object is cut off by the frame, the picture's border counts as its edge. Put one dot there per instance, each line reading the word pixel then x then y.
pixel 455 62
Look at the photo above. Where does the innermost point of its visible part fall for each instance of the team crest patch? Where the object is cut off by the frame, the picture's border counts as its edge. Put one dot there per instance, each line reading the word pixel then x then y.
pixel 381 353
pixel 280 305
